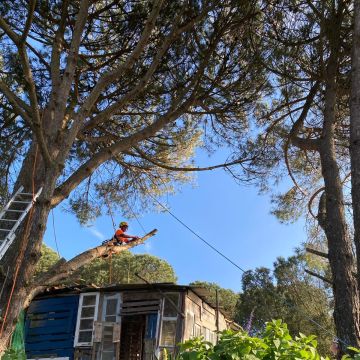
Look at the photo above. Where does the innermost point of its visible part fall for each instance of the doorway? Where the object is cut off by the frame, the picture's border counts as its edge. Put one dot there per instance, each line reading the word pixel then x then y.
pixel 132 337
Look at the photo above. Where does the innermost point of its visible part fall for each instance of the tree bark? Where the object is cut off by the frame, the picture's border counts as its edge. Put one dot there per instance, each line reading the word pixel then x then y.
pixel 332 217
pixel 355 131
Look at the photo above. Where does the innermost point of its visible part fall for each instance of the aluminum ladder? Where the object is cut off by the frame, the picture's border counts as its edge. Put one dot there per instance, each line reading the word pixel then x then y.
pixel 12 215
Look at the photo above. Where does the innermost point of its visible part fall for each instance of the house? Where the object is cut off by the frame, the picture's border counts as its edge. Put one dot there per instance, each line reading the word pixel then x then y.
pixel 120 322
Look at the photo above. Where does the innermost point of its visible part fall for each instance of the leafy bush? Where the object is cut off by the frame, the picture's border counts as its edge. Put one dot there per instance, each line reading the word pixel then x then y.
pixel 13 354
pixel 275 343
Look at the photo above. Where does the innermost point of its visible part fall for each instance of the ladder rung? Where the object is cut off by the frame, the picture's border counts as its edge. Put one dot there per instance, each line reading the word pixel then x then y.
pixel 30 194
pixel 21 202
pixel 8 230
pixel 9 220
pixel 18 211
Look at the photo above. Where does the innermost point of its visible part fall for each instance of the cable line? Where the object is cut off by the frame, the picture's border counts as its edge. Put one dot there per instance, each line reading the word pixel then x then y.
pixel 198 236
pixel 295 307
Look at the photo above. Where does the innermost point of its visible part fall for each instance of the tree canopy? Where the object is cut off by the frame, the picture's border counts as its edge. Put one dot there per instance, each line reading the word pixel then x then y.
pixel 290 294
pixel 105 102
pixel 123 269
pixel 227 298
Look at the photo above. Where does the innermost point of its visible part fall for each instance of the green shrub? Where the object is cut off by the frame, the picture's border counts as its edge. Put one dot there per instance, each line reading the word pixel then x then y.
pixel 275 343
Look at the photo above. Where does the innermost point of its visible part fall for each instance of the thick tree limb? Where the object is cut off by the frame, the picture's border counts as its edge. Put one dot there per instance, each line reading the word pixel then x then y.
pixel 71 63
pixel 304 144
pixel 63 269
pixel 57 47
pixel 9 32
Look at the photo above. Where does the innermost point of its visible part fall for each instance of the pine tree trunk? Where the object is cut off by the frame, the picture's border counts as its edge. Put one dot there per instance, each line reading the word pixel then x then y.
pixel 355 132
pixel 27 245
pixel 345 290
pixel 332 220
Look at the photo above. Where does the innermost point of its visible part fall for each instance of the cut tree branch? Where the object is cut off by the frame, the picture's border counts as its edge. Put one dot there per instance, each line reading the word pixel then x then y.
pixel 63 269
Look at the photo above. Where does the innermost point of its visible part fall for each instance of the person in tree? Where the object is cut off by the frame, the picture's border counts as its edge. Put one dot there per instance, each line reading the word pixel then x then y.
pixel 120 237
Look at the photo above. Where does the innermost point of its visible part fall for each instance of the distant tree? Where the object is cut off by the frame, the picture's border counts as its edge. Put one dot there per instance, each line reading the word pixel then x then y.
pixel 48 258
pixel 289 294
pixel 124 267
pixel 227 297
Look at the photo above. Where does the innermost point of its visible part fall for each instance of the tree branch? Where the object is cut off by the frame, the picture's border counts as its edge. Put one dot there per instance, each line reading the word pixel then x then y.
pixel 112 109
pixel 317 252
pixel 57 47
pixel 319 276
pixel 63 269
pixel 175 168
pixel 304 144
pixel 29 20
pixel 104 155
pixel 35 113
pixel 71 63
pixel 111 76
pixel 20 107
pixel 9 32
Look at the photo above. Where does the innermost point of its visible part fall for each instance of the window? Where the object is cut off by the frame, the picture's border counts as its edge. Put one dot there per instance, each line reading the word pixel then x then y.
pixel 111 308
pixel 169 320
pixel 110 316
pixel 197 330
pixel 190 324
pixel 209 335
pixel 171 305
pixel 87 314
pixel 168 333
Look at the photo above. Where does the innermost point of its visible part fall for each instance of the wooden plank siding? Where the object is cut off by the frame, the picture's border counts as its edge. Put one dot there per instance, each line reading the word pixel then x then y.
pixel 147 322
pixel 50 327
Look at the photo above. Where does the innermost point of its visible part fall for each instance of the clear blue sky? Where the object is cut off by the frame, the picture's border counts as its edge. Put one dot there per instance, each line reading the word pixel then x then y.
pixel 235 219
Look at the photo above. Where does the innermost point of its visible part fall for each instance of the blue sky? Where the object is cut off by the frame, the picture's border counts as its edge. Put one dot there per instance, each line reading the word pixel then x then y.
pixel 233 218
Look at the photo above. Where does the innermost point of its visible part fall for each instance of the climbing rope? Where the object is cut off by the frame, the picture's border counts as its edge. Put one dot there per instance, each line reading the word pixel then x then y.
pixel 110 268
pixel 137 219
pixel 54 231
pixel 114 226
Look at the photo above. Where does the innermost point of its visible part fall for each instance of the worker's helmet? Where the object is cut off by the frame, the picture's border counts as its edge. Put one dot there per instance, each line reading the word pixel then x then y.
pixel 124 223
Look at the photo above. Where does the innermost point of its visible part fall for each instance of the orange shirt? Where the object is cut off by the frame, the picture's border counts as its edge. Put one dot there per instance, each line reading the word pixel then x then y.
pixel 119 237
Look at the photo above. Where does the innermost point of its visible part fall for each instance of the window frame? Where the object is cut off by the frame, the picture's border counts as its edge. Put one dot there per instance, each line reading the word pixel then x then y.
pixel 168 319
pixel 118 306
pixel 79 318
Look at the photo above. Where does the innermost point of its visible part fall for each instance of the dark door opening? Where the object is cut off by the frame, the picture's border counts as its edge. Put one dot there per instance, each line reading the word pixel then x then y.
pixel 132 337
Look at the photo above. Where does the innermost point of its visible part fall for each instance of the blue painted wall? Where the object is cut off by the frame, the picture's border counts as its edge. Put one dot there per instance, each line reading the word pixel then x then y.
pixel 50 327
